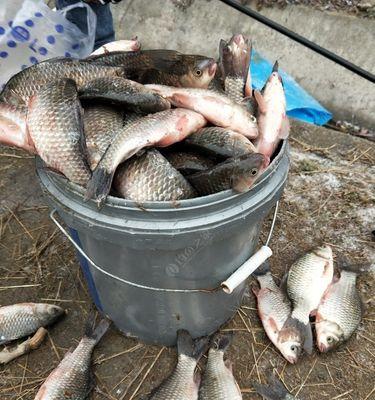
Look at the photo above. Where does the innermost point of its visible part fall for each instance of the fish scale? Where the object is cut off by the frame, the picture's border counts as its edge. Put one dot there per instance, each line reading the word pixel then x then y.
pixel 101 123
pixel 56 128
pixel 308 278
pixel 151 177
pixel 28 82
pixel 340 311
pixel 21 320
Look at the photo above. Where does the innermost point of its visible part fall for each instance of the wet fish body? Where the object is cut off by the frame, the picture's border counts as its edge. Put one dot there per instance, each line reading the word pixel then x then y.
pixel 101 124
pixel 167 67
pixel 21 320
pixel 235 62
pixel 275 390
pixel 183 383
pixel 160 129
pixel 274 309
pixel 220 142
pixel 217 108
pixel 188 163
pixel 151 177
pixel 119 91
pixel 340 311
pixel 308 279
pixel 28 82
pixel 72 378
pixel 55 126
pixel 237 173
pixel 272 120
pixel 13 129
pixel 218 382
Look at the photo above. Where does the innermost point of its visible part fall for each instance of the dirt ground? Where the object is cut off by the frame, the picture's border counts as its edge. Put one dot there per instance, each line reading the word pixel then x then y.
pixel 329 197
pixel 360 8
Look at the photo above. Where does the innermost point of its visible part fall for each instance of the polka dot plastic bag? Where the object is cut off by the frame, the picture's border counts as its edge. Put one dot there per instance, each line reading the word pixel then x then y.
pixel 31 32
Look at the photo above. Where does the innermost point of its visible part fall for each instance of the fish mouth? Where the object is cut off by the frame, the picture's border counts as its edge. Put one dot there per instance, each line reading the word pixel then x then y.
pixel 292 360
pixel 239 39
pixel 322 348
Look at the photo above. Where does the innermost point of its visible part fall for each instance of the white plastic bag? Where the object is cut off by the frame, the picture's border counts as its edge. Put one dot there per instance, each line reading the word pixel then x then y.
pixel 31 32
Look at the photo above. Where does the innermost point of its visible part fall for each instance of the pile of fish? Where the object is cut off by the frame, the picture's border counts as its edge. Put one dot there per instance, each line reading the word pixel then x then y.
pixel 147 125
pixel 310 288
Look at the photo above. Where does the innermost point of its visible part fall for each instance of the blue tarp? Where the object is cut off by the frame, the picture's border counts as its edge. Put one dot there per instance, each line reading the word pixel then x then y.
pixel 300 104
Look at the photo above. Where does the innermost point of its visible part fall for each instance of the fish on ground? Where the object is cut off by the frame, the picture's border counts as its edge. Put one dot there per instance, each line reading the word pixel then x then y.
pixel 235 63
pixel 131 95
pixel 340 310
pixel 151 177
pixel 28 82
pixel 188 163
pixel 272 120
pixel 166 67
pixel 218 382
pixel 237 173
pixel 216 141
pixel 160 129
pixel 118 45
pixel 275 390
pixel 308 279
pixel 24 319
pixel 217 108
pixel 183 383
pixel 13 129
pixel 55 126
pixel 274 309
pixel 72 378
pixel 101 123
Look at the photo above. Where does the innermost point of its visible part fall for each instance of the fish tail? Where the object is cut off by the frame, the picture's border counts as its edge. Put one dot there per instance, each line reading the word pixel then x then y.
pixel 222 341
pixel 96 333
pixel 187 346
pixel 275 390
pixel 305 331
pixel 99 185
pixel 263 269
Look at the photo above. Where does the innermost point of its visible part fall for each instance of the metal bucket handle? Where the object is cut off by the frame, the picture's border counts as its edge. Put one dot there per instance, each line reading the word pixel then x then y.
pixel 234 280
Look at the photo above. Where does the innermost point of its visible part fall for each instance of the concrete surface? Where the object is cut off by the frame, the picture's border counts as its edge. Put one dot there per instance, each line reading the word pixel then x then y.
pixel 198 28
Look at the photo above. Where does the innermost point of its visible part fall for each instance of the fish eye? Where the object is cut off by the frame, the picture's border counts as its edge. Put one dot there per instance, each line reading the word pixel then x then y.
pixel 253 119
pixel 198 72
pixel 329 339
pixel 254 171
pixel 293 348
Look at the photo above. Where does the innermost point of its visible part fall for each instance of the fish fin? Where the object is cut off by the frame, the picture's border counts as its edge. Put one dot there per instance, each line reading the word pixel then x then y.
pixel 284 283
pixel 255 290
pixel 263 269
pixel 222 341
pixel 304 329
pixel 285 128
pixel 163 60
pixel 229 365
pixel 275 390
pixel 99 185
pixel 180 99
pixel 98 332
pixel 260 101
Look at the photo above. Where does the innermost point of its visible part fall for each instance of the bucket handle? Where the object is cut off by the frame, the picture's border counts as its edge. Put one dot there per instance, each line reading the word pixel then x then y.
pixel 241 274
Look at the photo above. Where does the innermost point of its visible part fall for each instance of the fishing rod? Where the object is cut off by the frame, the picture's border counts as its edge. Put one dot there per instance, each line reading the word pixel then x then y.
pixel 302 40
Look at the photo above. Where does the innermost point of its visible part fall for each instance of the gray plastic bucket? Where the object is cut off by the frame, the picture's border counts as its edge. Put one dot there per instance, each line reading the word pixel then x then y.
pixel 159 247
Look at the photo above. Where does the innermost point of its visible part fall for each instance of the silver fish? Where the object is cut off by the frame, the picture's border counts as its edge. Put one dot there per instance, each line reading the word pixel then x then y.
pixel 183 384
pixel 274 310
pixel 272 120
pixel 308 279
pixel 218 382
pixel 72 378
pixel 340 311
pixel 20 320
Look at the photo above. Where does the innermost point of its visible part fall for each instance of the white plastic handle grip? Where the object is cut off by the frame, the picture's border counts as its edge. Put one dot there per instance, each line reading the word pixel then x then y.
pixel 246 269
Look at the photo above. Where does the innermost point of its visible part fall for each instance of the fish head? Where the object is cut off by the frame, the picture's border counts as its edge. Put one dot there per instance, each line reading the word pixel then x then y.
pixel 290 343
pixel 329 335
pixel 49 313
pixel 200 72
pixel 247 170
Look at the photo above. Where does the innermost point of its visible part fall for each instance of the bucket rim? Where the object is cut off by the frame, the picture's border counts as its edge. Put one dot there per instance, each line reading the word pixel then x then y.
pixel 48 178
